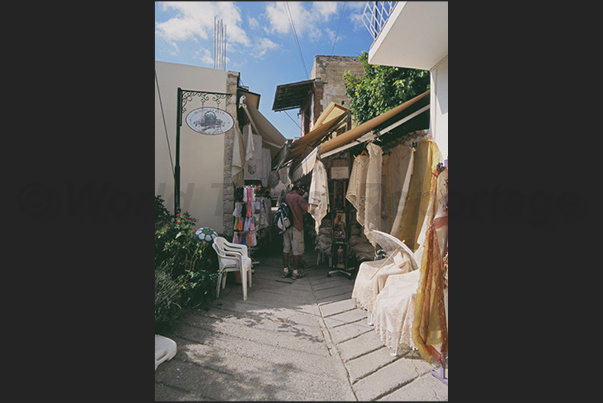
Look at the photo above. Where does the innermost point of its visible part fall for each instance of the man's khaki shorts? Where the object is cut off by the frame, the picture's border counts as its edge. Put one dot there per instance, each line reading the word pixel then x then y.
pixel 293 239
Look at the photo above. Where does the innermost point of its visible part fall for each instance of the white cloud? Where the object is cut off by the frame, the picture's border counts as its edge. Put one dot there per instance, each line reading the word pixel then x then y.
pixel 263 46
pixel 305 18
pixel 253 23
pixel 205 56
pixel 195 20
pixel 334 35
pixel 356 10
pixel 325 9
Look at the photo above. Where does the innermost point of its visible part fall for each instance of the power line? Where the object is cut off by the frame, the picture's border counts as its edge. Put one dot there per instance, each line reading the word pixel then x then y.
pixel 338 25
pixel 296 39
pixel 289 116
pixel 164 125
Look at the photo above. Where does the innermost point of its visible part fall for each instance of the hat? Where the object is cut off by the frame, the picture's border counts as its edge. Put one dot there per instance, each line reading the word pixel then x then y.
pixel 299 185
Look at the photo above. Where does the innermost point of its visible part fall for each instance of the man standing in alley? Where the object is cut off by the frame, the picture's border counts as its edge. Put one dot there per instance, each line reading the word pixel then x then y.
pixel 293 238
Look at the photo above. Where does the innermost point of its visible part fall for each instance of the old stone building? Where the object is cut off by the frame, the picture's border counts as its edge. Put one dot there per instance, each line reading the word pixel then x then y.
pixel 326 85
pixel 329 70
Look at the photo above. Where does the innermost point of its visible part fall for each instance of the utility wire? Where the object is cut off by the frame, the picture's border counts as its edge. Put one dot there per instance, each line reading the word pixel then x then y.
pixel 164 125
pixel 292 119
pixel 339 25
pixel 296 39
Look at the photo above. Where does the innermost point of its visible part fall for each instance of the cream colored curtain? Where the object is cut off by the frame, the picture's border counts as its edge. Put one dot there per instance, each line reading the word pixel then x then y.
pixel 372 209
pixel 318 196
pixel 426 158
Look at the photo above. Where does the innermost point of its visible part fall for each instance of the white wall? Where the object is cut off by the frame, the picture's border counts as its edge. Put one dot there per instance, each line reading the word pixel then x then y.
pixel 439 106
pixel 201 156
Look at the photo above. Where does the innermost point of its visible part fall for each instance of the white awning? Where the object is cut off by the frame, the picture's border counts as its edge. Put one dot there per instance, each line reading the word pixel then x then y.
pixel 271 137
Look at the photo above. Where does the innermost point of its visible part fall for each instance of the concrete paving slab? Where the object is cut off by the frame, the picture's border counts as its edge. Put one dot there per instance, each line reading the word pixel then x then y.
pixel 389 378
pixel 348 331
pixel 365 365
pixel 272 322
pixel 322 284
pixel 354 316
pixel 307 330
pixel 363 344
pixel 340 289
pixel 325 366
pixel 213 385
pixel 169 393
pixel 332 308
pixel 424 388
pixel 267 373
pixel 297 339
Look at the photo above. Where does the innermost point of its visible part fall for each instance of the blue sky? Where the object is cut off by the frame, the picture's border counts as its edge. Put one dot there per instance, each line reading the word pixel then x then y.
pixel 260 42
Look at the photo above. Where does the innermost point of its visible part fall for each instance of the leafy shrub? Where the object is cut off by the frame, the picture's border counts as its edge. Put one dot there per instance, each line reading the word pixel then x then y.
pixel 162 215
pixel 175 241
pixel 185 266
pixel 167 299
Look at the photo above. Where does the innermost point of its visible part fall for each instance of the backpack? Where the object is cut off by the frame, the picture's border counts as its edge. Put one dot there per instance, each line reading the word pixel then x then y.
pixel 282 219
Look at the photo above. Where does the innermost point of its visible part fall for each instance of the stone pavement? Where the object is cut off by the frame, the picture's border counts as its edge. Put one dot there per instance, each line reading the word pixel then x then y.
pixel 291 340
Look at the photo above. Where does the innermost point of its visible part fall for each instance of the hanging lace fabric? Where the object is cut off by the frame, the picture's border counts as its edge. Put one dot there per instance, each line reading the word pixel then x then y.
pixel 401 161
pixel 357 186
pixel 318 196
pixel 372 207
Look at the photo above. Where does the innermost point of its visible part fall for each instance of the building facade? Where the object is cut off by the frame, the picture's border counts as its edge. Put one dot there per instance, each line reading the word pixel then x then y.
pixel 326 84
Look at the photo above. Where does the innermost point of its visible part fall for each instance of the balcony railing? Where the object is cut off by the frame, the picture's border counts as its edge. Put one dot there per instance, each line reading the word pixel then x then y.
pixel 375 15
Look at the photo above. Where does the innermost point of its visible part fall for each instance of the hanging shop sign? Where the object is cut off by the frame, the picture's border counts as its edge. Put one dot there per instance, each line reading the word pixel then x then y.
pixel 209 120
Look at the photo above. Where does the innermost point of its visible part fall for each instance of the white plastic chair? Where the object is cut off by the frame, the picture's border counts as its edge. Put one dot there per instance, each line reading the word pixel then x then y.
pixel 232 257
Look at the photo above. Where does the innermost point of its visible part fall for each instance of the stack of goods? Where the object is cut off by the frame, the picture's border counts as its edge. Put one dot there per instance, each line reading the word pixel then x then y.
pixel 360 246
pixel 324 239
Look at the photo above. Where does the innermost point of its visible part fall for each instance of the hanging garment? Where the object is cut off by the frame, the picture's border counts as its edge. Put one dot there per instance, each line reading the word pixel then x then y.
pixel 398 180
pixel 238 158
pixel 439 190
pixel 250 239
pixel 266 166
pixel 248 142
pixel 426 158
pixel 372 207
pixel 357 186
pixel 237 210
pixel 253 165
pixel 318 196
pixel 240 224
pixel 235 238
pixel 429 329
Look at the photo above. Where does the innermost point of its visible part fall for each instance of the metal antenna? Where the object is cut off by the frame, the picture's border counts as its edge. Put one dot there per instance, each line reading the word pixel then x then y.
pixel 219 44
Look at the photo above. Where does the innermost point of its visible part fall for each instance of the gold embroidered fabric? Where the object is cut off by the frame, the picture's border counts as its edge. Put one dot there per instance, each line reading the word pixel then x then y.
pixel 429 329
pixel 426 158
